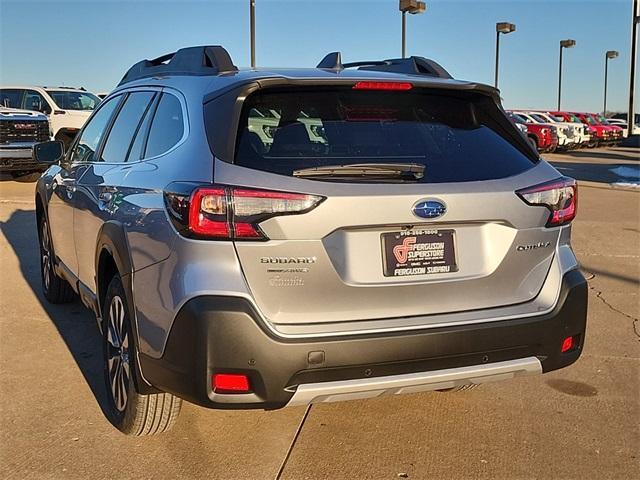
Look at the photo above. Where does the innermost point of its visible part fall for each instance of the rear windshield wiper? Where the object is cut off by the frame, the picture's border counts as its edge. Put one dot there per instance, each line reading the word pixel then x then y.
pixel 413 171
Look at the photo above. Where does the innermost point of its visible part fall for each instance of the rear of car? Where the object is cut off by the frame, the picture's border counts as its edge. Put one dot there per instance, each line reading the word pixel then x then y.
pixel 388 235
pixel 262 239
pixel 20 130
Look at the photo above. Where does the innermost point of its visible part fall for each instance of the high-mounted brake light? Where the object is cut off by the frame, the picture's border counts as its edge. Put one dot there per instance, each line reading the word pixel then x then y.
pixel 231 213
pixel 396 86
pixel 559 196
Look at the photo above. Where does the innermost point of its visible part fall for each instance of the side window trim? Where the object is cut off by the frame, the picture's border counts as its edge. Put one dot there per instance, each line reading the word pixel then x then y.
pixel 185 122
pixel 147 111
pixel 152 116
pixel 107 130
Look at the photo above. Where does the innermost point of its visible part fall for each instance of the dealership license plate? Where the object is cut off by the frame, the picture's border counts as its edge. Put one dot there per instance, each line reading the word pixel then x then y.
pixel 418 252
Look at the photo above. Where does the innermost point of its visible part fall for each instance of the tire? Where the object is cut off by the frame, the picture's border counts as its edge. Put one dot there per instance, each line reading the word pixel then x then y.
pixel 55 288
pixel 130 412
pixel 534 143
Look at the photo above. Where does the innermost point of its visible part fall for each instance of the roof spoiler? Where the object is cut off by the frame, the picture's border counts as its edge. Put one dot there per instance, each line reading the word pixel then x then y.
pixel 411 66
pixel 203 60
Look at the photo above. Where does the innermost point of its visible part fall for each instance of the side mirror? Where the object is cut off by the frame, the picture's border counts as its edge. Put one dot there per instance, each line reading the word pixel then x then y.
pixel 48 152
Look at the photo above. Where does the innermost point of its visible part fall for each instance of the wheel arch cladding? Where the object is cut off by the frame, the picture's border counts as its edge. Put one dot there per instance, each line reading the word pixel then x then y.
pixel 112 250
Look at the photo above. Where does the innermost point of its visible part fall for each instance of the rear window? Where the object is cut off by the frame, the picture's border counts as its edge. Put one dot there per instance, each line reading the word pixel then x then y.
pixel 457 137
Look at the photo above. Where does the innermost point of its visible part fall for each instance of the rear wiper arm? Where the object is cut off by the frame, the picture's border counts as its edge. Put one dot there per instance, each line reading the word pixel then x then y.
pixel 402 170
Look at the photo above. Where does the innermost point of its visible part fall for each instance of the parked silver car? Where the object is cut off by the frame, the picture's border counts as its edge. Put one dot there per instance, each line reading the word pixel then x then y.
pixel 267 238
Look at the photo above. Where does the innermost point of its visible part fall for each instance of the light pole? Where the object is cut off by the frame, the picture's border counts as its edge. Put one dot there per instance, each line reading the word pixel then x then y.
pixel 609 54
pixel 635 20
pixel 252 27
pixel 413 7
pixel 563 44
pixel 501 27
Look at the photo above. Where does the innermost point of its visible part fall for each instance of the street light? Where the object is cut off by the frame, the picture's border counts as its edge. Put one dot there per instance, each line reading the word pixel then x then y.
pixel 635 21
pixel 563 44
pixel 609 54
pixel 501 27
pixel 413 7
pixel 252 28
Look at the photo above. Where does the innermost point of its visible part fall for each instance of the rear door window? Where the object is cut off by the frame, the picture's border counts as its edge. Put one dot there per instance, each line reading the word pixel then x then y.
pixel 167 127
pixel 125 125
pixel 456 137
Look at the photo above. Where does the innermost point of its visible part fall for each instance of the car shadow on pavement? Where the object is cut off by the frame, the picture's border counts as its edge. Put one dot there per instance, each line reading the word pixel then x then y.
pixel 75 323
pixel 599 172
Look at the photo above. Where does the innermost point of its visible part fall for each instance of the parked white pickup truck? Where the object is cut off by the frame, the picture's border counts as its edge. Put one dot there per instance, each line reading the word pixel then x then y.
pixel 20 130
pixel 566 138
pixel 67 108
pixel 580 132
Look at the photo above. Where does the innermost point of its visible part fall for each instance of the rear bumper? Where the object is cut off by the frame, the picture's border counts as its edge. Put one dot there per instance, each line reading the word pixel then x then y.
pixel 214 334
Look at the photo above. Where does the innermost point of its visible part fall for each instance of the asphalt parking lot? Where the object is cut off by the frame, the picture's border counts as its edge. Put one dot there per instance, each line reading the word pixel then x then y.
pixel 580 422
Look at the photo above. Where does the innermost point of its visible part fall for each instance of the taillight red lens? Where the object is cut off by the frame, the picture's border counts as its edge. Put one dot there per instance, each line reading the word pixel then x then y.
pixel 559 196
pixel 208 212
pixel 396 86
pixel 230 383
pixel 233 213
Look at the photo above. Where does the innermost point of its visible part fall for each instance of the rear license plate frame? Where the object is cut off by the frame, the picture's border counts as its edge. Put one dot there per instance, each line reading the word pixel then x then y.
pixel 398 246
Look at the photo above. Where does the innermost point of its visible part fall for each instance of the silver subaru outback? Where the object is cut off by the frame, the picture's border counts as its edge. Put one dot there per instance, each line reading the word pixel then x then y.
pixel 266 238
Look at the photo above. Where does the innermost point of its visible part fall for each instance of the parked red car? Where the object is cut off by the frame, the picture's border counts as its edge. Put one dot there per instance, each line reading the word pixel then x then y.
pixel 598 134
pixel 618 131
pixel 604 134
pixel 544 136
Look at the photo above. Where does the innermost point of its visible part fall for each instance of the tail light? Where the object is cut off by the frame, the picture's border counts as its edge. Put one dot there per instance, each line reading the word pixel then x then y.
pixel 559 196
pixel 230 213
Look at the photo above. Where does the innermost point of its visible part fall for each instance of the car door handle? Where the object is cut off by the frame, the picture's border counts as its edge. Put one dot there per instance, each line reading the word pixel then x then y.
pixel 105 196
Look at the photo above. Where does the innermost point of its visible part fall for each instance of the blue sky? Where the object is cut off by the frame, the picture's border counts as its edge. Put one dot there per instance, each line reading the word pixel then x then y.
pixel 92 42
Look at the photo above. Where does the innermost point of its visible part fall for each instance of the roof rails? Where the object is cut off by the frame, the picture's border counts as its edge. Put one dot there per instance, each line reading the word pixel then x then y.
pixel 203 60
pixel 411 65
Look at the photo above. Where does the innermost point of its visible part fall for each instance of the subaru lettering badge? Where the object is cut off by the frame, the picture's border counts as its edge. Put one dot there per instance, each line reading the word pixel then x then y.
pixel 429 209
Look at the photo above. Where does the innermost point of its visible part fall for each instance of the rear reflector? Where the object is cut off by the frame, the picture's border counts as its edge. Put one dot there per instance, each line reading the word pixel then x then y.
pixel 383 86
pixel 567 344
pixel 559 196
pixel 230 383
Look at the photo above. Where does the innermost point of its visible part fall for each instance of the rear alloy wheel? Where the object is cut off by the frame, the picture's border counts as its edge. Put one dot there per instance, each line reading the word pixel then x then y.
pixel 56 289
pixel 131 412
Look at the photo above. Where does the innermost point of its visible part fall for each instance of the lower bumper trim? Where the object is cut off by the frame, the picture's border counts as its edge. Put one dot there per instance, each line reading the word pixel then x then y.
pixel 325 392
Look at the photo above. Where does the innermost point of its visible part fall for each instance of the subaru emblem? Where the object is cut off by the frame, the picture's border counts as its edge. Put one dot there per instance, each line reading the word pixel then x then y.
pixel 429 209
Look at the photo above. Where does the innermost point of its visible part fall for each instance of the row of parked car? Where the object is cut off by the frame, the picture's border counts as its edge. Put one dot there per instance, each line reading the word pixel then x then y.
pixel 549 131
pixel 32 114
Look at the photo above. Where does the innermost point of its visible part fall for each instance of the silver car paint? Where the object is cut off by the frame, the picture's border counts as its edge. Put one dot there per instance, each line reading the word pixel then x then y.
pixel 494 282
